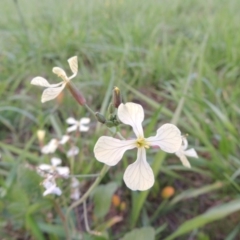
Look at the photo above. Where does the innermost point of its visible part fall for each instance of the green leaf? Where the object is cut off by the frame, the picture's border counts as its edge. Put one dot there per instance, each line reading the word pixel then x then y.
pixel 140 234
pixel 211 215
pixel 102 196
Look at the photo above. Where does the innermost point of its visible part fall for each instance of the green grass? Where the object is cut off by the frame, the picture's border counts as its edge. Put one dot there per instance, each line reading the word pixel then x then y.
pixel 149 49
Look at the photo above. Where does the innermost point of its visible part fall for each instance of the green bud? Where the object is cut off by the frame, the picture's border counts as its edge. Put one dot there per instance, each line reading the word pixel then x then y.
pixel 110 124
pixel 111 108
pixel 100 117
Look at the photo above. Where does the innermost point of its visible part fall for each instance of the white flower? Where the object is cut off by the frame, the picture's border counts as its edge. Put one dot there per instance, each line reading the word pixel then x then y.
pixel 46 170
pixel 78 125
pixel 75 193
pixel 53 144
pixel 53 90
pixel 109 150
pixel 182 153
pixel 73 151
pixel 51 187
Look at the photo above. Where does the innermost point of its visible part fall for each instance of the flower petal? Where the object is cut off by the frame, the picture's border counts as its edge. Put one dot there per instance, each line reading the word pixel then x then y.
pixel 64 139
pixel 168 138
pixel 185 161
pixel 132 114
pixel 51 93
pixel 44 169
pixel 71 120
pixel 56 161
pixel 50 147
pixel 60 73
pixel 83 128
pixel 191 153
pixel 63 171
pixel 73 151
pixel 72 128
pixel 73 63
pixel 40 81
pixel 84 120
pixel 184 143
pixel 139 175
pixel 51 188
pixel 110 150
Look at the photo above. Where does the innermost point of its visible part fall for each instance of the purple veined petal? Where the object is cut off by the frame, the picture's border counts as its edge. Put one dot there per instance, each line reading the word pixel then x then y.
pixel 51 93
pixel 132 114
pixel 168 138
pixel 191 153
pixel 139 175
pixel 110 150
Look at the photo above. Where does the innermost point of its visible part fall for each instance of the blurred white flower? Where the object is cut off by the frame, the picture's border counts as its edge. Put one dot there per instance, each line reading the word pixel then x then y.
pixel 51 187
pixel 53 90
pixel 78 125
pixel 53 170
pixel 73 151
pixel 109 150
pixel 53 144
pixel 75 193
pixel 182 153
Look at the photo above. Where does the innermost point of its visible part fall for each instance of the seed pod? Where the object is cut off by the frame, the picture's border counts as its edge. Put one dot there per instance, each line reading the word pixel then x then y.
pixel 76 94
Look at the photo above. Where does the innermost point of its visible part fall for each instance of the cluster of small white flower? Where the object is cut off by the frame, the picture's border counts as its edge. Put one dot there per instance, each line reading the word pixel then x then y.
pixel 109 150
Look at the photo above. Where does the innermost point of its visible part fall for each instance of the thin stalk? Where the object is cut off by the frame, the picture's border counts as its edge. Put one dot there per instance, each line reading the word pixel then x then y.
pixel 62 217
pixel 86 195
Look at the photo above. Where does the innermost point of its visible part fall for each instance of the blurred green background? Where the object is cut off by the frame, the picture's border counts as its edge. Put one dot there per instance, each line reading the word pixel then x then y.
pixel 156 52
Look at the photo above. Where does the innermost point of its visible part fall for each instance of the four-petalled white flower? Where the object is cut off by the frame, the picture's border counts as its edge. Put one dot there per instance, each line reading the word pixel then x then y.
pixel 109 150
pixel 53 90
pixel 51 187
pixel 52 146
pixel 78 125
pixel 182 153
pixel 54 170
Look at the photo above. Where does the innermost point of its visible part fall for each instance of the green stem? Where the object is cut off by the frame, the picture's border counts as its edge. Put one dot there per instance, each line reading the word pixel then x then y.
pixel 86 195
pixel 63 219
pixel 90 110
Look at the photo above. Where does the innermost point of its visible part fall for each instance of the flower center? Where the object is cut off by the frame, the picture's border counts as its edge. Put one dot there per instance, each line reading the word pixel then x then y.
pixel 141 142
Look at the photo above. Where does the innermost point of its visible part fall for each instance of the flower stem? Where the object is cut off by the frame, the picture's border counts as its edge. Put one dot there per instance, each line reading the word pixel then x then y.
pixel 63 219
pixel 85 196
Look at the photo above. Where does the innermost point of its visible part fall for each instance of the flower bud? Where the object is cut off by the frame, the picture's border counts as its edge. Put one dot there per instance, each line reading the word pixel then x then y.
pixel 40 135
pixel 111 108
pixel 117 99
pixel 100 117
pixel 76 94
